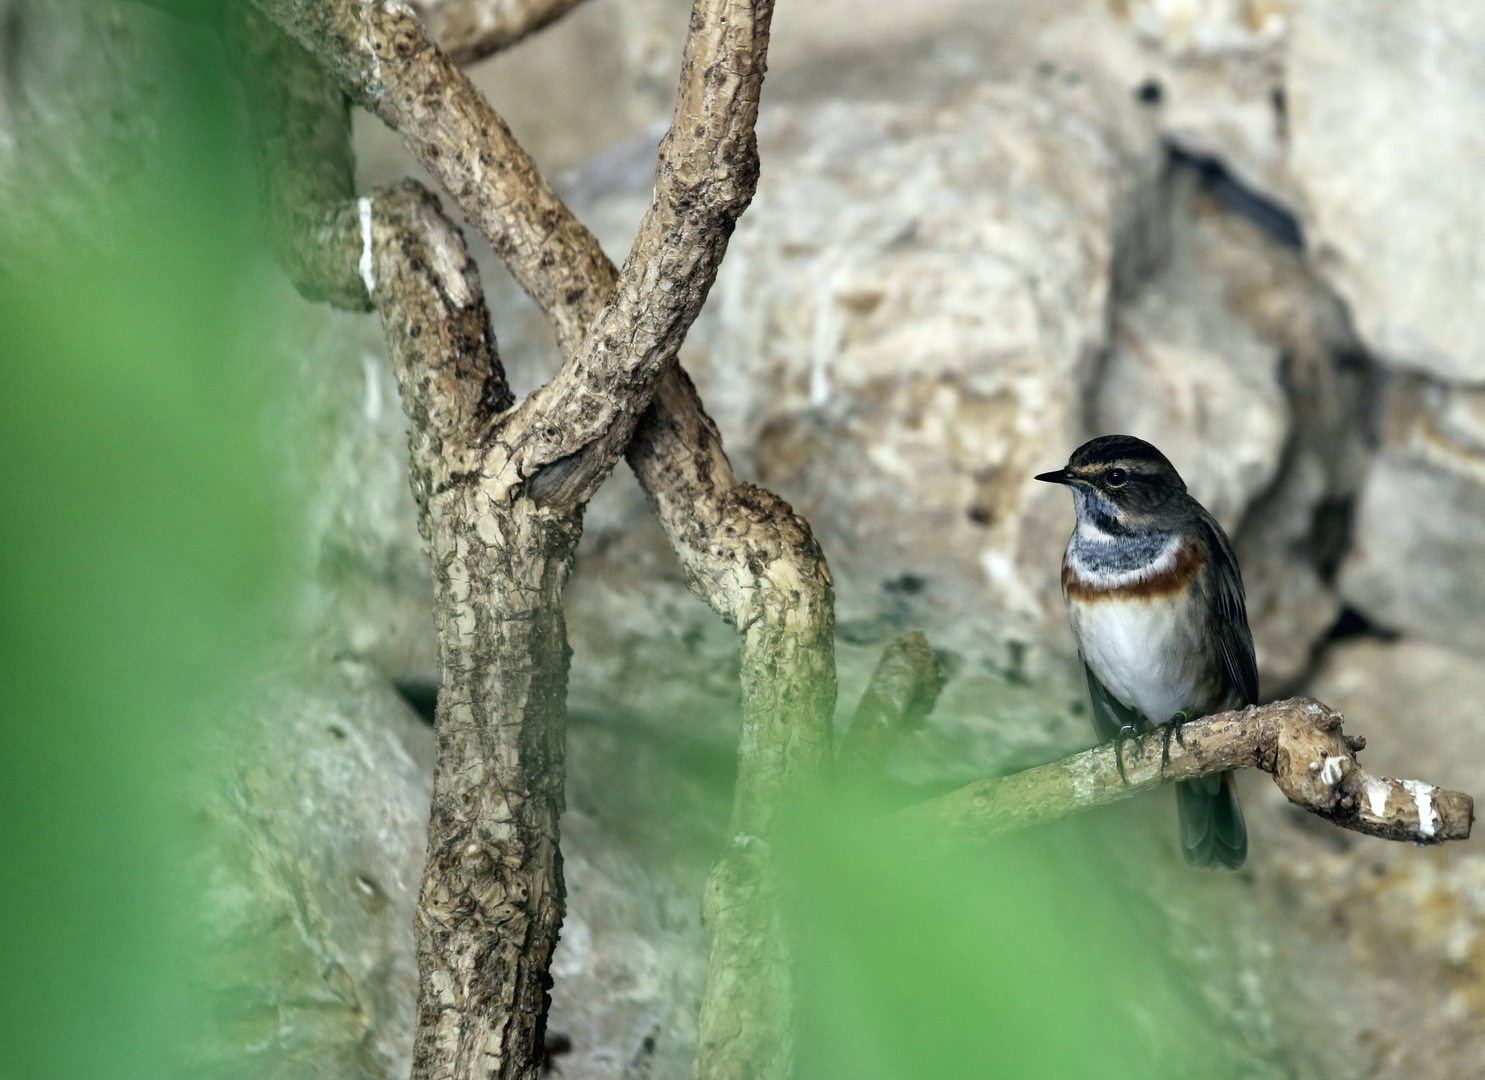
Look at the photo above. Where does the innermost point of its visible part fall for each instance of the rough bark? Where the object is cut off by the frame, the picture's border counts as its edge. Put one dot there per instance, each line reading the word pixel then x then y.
pixel 706 175
pixel 492 902
pixel 523 481
pixel 743 549
pixel 747 554
pixel 469 30
pixel 1298 741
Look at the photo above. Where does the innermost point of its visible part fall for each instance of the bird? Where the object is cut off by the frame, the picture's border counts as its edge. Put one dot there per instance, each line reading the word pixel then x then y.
pixel 1155 600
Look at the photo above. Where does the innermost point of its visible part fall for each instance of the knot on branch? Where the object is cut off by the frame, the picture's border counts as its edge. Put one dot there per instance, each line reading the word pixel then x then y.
pixel 1315 766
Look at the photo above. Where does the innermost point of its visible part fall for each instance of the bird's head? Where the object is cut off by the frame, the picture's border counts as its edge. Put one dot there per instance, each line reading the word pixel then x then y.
pixel 1119 483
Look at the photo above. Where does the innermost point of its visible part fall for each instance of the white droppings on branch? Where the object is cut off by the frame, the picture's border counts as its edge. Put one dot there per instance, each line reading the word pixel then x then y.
pixel 1423 799
pixel 1376 796
pixel 363 207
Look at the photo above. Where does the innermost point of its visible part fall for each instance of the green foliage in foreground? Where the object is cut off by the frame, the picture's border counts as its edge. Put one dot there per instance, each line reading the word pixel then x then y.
pixel 138 545
pixel 921 959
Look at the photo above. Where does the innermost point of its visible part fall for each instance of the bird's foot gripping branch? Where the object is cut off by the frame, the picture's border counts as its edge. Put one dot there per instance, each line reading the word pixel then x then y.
pixel 1298 741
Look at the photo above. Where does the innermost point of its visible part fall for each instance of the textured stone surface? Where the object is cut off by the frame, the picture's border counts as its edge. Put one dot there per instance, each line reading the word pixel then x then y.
pixel 1214 358
pixel 1191 375
pixel 342 444
pixel 313 845
pixel 900 334
pixel 647 810
pixel 1395 219
pixel 1408 923
pixel 1420 525
pixel 1209 74
pixel 897 342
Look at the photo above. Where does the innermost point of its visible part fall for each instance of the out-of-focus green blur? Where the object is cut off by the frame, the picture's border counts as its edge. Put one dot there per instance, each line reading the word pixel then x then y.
pixel 919 958
pixel 137 563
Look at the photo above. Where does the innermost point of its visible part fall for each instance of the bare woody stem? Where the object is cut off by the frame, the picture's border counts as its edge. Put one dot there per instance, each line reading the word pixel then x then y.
pixel 747 554
pixel 902 692
pixel 469 30
pixel 1298 742
pixel 744 550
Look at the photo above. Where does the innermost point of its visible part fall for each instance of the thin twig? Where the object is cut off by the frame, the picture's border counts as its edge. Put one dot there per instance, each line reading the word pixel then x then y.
pixel 470 30
pixel 902 692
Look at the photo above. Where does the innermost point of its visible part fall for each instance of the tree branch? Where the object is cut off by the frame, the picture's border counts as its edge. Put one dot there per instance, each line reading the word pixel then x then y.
pixel 1298 742
pixel 706 176
pixel 744 550
pixel 379 55
pixel 470 30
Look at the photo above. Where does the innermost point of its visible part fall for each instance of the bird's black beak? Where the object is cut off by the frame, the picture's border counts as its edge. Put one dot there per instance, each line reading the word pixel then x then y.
pixel 1061 476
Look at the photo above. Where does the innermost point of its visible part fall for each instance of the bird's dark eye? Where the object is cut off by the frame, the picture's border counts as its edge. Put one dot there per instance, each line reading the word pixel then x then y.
pixel 1115 477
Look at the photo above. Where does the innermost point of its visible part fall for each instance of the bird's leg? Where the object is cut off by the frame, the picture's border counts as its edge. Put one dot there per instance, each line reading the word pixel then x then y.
pixel 1172 728
pixel 1128 731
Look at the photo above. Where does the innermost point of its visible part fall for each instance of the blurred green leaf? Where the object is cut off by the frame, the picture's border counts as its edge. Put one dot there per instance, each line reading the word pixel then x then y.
pixel 139 565
pixel 919 958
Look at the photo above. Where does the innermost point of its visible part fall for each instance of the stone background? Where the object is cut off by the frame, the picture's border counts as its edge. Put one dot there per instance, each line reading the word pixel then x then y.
pixel 1249 230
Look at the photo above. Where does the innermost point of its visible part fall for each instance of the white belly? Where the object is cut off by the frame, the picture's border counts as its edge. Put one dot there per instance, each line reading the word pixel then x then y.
pixel 1150 654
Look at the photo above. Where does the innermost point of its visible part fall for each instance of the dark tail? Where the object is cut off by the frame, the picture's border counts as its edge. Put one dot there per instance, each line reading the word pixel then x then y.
pixel 1212 831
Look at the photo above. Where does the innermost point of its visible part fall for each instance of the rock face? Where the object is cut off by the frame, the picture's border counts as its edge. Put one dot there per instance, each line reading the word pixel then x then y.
pixel 647 812
pixel 312 844
pixel 1395 221
pixel 898 340
pixel 1420 525
pixel 1409 924
pixel 366 585
pixel 897 343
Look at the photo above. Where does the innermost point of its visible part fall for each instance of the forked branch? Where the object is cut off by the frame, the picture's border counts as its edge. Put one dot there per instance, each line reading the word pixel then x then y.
pixel 707 172
pixel 744 550
pixel 1298 741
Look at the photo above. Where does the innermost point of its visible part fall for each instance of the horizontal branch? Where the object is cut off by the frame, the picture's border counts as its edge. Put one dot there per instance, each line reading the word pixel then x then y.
pixel 1298 741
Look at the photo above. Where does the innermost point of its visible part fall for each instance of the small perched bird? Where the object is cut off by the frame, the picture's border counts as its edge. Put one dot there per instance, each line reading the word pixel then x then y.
pixel 1156 605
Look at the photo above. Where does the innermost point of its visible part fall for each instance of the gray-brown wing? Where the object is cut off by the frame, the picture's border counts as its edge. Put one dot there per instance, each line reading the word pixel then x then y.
pixel 1230 615
pixel 1110 715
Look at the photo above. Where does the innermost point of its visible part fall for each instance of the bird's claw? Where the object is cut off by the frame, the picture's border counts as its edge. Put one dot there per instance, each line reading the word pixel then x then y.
pixel 1172 729
pixel 1128 731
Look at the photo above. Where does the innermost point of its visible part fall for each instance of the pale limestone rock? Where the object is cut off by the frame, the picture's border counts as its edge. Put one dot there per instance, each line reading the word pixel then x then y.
pixel 913 301
pixel 1208 74
pixel 1419 537
pixel 1406 924
pixel 646 815
pixel 342 453
pixel 1386 102
pixel 898 341
pixel 1188 374
pixel 313 833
